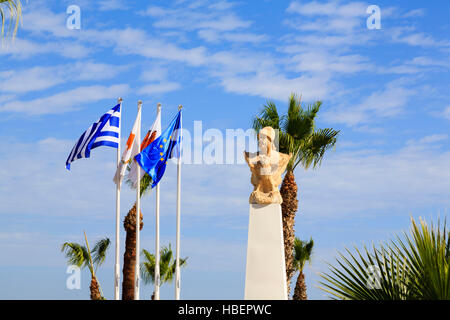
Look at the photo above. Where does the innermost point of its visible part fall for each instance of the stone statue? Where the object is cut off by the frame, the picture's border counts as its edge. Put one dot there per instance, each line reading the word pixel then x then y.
pixel 266 166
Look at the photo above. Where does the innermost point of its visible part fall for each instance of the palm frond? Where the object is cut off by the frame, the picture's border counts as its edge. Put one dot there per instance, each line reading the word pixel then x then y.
pixel 414 267
pixel 268 117
pixel 313 149
pixel 146 183
pixel 296 132
pixel 99 251
pixel 148 267
pixel 167 265
pixel 14 7
pixel 75 254
pixel 302 252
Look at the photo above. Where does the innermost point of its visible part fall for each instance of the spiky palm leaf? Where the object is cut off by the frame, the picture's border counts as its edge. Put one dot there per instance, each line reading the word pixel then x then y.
pixel 146 183
pixel 76 254
pixel 14 8
pixel 427 253
pixel 302 253
pixel 312 150
pixel 167 265
pixel 297 133
pixel 416 267
pixel 99 251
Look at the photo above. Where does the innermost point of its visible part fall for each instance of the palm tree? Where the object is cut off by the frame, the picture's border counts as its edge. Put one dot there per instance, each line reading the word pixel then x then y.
pixel 302 254
pixel 14 8
pixel 298 135
pixel 414 267
pixel 129 257
pixel 82 257
pixel 166 266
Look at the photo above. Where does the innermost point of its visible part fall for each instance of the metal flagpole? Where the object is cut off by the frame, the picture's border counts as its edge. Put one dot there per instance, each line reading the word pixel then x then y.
pixel 138 208
pixel 177 263
pixel 157 254
pixel 117 265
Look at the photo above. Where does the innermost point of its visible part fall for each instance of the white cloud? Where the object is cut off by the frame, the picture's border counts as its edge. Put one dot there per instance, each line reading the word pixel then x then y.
pixel 415 178
pixel 408 35
pixel 159 88
pixel 106 5
pixel 322 61
pixel 23 49
pixel 429 62
pixel 236 37
pixel 339 17
pixel 427 140
pixel 219 19
pixel 330 8
pixel 446 113
pixel 380 104
pixel 414 13
pixel 34 79
pixel 277 86
pixel 65 101
pixel 245 37
pixel 40 78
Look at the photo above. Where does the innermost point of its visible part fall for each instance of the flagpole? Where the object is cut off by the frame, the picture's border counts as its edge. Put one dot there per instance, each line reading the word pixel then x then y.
pixel 138 209
pixel 157 253
pixel 177 263
pixel 117 264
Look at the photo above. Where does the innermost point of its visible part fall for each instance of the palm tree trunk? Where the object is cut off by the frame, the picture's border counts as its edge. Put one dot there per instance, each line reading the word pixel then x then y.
pixel 300 288
pixel 289 208
pixel 129 257
pixel 95 289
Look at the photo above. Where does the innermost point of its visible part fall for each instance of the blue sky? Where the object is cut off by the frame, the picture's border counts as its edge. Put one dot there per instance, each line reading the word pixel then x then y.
pixel 387 90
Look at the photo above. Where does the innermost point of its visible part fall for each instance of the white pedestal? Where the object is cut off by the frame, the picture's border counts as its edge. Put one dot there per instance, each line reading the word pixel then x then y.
pixel 265 275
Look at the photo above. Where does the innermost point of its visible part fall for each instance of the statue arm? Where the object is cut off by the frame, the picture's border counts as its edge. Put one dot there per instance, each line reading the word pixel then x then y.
pixel 285 158
pixel 248 160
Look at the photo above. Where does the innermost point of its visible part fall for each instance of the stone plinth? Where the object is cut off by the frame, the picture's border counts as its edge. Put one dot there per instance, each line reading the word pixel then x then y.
pixel 265 275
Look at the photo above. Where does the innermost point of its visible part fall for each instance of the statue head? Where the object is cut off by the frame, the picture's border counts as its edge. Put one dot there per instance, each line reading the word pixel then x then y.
pixel 266 137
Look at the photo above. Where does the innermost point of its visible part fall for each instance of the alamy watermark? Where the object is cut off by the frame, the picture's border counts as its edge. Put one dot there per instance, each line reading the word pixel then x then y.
pixel 214 146
pixel 373 277
pixel 374 20
pixel 73 21
pixel 73 281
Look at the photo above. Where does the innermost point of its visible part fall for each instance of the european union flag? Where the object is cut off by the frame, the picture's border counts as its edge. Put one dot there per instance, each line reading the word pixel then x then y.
pixel 153 159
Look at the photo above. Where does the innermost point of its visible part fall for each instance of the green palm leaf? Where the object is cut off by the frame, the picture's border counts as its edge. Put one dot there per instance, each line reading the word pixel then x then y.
pixel 297 133
pixel 75 254
pixel 99 251
pixel 13 10
pixel 414 267
pixel 167 265
pixel 302 253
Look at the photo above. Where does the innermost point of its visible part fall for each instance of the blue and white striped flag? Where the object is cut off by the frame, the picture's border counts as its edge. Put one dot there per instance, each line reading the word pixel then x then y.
pixel 104 132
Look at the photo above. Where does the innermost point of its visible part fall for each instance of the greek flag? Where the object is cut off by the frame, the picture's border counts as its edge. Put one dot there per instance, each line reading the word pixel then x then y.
pixel 104 132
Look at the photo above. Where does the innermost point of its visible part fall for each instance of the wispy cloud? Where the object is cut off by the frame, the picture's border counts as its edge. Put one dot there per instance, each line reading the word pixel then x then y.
pixel 380 104
pixel 65 101
pixel 40 78
pixel 107 5
pixel 446 113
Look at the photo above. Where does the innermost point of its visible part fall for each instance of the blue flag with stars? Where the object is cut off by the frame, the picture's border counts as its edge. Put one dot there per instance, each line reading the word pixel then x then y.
pixel 153 159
